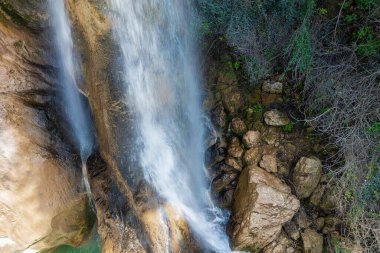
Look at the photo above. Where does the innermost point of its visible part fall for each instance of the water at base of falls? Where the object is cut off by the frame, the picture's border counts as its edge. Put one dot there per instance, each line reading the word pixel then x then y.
pixel 91 246
pixel 162 88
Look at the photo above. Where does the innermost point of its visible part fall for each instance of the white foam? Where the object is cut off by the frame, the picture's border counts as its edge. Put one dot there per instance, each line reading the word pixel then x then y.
pixel 162 88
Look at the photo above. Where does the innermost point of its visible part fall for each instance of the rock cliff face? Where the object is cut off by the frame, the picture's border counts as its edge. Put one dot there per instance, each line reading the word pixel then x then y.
pixel 40 205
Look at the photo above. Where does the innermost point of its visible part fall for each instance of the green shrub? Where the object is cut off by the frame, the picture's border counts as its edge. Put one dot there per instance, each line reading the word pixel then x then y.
pixel 369 48
pixel 349 19
pixel 258 108
pixel 322 11
pixel 288 128
pixel 365 4
pixel 374 128
pixel 259 30
pixel 299 51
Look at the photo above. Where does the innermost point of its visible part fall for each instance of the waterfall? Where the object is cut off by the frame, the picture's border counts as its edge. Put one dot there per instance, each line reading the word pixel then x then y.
pixel 73 105
pixel 161 78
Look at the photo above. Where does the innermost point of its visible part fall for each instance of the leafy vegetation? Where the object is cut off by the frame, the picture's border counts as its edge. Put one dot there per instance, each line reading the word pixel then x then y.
pixel 258 108
pixel 288 128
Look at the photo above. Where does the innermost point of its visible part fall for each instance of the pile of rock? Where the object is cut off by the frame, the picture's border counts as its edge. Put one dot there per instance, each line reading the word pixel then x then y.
pixel 259 172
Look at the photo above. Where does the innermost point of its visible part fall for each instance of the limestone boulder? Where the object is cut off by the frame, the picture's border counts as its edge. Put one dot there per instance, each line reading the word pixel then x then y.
pixel 306 176
pixel 252 156
pixel 262 204
pixel 238 126
pixel 280 245
pixel 273 87
pixel 251 138
pixel 235 149
pixel 276 118
pixel 234 163
pixel 328 202
pixel 269 163
pixel 312 242
pixel 232 101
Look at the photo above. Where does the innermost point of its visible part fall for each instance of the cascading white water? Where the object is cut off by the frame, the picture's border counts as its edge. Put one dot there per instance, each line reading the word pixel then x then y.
pixel 162 89
pixel 72 104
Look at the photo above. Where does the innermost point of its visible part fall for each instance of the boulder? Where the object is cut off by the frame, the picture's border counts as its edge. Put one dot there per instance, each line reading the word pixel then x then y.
pixel 312 242
pixel 234 163
pixel 262 204
pixel 317 195
pixel 238 126
pixel 252 156
pixel 273 87
pixel 328 202
pixel 251 138
pixel 276 118
pixel 279 245
pixel 306 176
pixel 234 149
pixel 269 163
pixel 232 101
pixel 219 116
pixel 221 182
pixel 223 167
pixel 319 223
pixel 271 135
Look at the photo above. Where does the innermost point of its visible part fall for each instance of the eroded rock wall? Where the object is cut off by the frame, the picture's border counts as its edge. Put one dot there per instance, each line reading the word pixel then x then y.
pixel 41 205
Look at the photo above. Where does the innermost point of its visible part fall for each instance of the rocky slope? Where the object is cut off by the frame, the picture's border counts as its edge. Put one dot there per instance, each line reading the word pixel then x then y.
pixel 264 164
